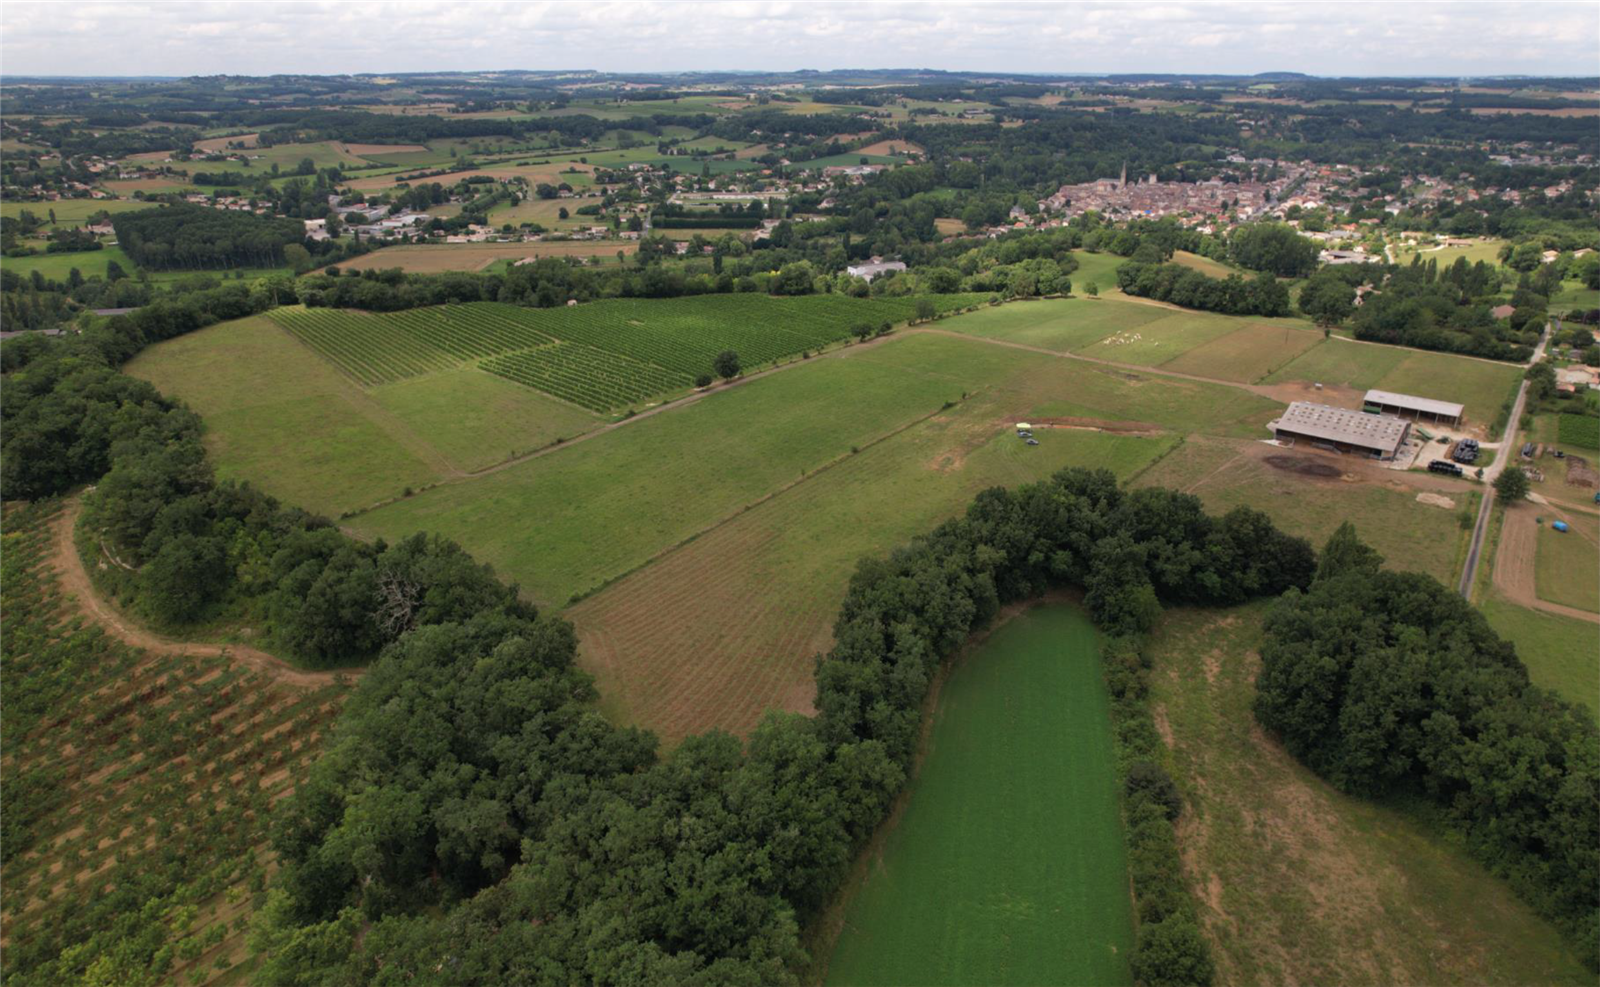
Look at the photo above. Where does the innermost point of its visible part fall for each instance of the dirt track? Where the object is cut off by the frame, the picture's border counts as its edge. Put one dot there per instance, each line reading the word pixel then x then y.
pixel 76 585
pixel 1514 562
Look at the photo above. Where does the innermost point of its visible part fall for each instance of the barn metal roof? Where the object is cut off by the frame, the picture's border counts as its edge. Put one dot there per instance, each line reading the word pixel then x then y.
pixel 1321 421
pixel 1411 402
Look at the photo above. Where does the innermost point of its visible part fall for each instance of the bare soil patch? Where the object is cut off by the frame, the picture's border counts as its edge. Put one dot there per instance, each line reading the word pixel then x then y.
pixel 360 150
pixel 221 143
pixel 1435 500
pixel 1298 390
pixel 1304 466
pixel 1095 425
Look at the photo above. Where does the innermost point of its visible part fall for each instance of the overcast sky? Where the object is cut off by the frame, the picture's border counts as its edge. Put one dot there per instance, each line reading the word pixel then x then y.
pixel 1331 37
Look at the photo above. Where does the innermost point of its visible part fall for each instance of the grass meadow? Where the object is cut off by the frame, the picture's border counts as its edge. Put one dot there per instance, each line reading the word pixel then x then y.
pixel 1298 883
pixel 1218 346
pixel 475 419
pixel 1007 864
pixel 1562 653
pixel 1229 473
pixel 58 267
pixel 1567 566
pixel 1483 386
pixel 280 417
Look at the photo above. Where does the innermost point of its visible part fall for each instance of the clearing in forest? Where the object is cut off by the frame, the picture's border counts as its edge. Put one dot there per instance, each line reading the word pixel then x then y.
pixel 1006 865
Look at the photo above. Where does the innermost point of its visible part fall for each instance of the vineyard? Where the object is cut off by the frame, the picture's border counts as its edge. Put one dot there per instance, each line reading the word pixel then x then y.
pixel 610 353
pixel 138 789
pixel 583 375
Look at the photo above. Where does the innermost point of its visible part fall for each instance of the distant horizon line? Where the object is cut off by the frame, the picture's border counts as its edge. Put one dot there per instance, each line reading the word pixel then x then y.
pixel 776 72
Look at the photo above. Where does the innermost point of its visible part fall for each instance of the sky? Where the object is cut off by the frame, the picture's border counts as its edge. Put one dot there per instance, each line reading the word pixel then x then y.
pixel 1321 37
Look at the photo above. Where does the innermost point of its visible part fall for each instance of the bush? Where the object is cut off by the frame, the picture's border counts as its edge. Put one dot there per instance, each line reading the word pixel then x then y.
pixel 1146 779
pixel 1172 954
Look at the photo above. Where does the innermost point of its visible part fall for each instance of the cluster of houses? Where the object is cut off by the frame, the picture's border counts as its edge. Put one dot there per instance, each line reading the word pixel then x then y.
pixel 1152 198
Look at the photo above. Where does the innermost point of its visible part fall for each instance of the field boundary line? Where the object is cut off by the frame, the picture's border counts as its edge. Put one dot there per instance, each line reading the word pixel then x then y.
pixel 577 598
pixel 845 350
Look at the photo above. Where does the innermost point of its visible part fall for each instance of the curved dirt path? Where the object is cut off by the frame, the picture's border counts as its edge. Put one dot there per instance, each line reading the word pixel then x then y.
pixel 76 585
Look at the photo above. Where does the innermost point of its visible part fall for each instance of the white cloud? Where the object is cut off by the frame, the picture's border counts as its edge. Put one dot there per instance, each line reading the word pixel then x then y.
pixel 1402 38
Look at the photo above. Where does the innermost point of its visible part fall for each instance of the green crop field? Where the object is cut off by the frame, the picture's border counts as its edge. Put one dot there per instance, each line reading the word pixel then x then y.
pixel 1288 873
pixel 58 267
pixel 1063 324
pixel 1246 354
pixel 1561 652
pixel 70 212
pixel 1007 865
pixel 1578 430
pixel 1567 566
pixel 1483 386
pixel 610 354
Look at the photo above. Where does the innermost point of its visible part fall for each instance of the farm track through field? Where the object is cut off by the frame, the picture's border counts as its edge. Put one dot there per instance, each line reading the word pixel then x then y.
pixel 1514 561
pixel 76 584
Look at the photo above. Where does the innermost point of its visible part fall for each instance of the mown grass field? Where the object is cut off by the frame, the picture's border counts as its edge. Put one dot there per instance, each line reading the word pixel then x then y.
pixel 476 419
pixel 69 212
pixel 1487 251
pixel 1226 473
pixel 58 267
pixel 1007 865
pixel 283 419
pixel 1567 570
pixel 1111 328
pixel 1562 653
pixel 1482 386
pixel 1297 883
pixel 140 788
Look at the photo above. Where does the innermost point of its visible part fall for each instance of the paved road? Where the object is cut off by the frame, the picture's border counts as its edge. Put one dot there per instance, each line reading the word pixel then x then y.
pixel 1508 453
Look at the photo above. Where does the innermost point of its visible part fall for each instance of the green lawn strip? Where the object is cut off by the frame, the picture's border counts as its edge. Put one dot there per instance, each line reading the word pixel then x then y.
pixel 1008 865
pixel 1562 653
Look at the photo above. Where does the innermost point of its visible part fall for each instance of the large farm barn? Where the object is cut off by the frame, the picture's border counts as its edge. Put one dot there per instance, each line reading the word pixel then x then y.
pixel 1409 405
pixel 1378 436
